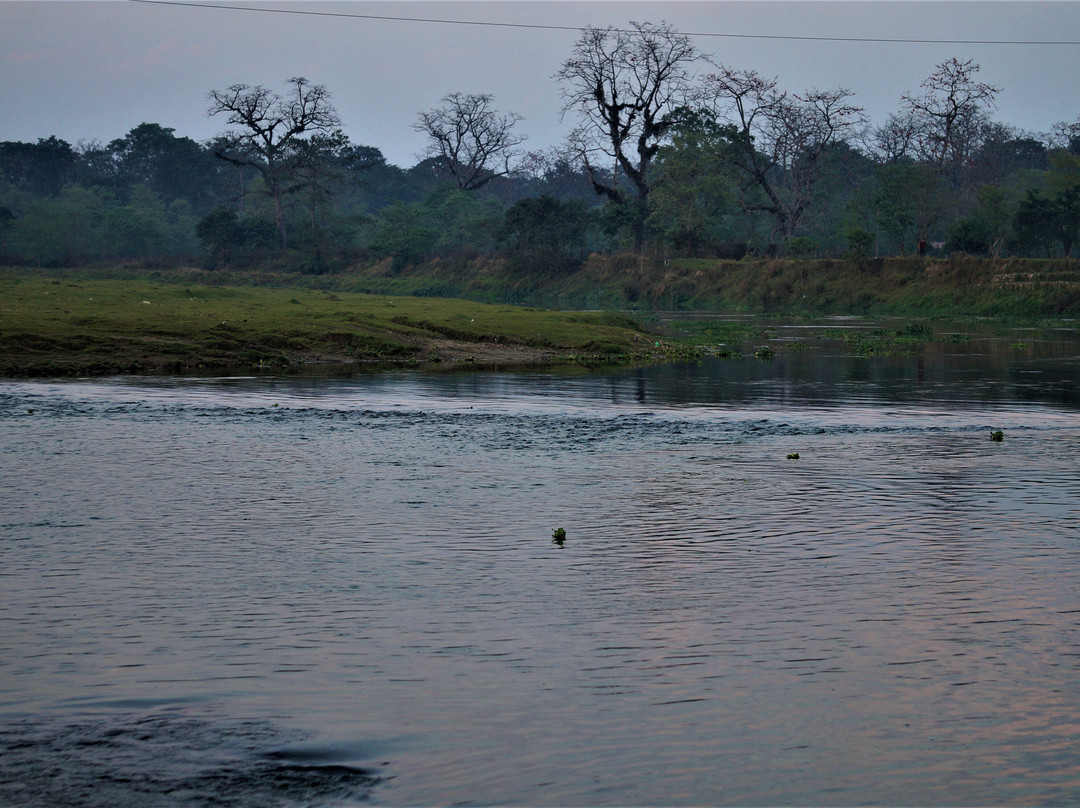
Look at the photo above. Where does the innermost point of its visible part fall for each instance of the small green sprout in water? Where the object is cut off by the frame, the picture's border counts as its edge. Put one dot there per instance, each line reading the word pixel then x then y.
pixel 997 435
pixel 764 352
pixel 793 456
pixel 558 535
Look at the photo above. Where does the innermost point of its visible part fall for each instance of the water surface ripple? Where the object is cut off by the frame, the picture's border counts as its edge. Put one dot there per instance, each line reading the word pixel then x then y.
pixel 259 592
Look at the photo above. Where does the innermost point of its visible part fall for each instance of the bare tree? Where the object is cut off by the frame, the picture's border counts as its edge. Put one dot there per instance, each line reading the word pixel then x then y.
pixel 624 85
pixel 930 146
pixel 269 128
pixel 947 120
pixel 473 141
pixel 894 141
pixel 780 138
pixel 1065 135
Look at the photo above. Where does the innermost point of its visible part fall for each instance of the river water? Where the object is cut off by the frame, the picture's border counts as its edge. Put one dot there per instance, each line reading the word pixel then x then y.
pixel 330 591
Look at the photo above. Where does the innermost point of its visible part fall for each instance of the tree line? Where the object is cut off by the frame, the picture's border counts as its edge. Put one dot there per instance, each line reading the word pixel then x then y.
pixel 672 152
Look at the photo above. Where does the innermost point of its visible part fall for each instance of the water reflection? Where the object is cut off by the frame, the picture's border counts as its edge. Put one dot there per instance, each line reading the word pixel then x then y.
pixel 991 366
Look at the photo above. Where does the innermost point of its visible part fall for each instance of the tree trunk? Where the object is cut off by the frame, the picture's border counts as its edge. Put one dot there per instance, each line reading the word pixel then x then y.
pixel 279 216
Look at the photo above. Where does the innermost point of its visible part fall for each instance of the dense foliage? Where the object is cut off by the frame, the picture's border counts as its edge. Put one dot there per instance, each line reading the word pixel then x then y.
pixel 730 166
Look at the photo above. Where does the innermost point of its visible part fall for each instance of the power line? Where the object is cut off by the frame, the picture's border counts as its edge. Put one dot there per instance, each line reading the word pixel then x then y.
pixel 542 27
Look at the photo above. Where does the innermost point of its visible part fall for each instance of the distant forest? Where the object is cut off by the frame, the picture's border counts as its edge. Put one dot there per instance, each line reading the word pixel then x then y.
pixel 672 155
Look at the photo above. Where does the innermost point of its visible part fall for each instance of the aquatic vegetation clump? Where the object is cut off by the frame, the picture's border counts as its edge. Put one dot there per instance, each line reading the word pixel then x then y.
pixel 727 353
pixel 997 435
pixel 558 536
pixel 908 340
pixel 793 456
pixel 676 352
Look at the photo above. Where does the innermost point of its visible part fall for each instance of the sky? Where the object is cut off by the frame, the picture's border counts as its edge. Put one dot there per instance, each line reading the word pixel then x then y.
pixel 91 70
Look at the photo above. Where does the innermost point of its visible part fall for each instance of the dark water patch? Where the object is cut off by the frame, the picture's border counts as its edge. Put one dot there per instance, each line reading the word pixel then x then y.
pixel 153 761
pixel 528 430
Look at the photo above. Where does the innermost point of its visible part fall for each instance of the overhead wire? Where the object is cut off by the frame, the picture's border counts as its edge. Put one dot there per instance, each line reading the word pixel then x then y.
pixel 550 27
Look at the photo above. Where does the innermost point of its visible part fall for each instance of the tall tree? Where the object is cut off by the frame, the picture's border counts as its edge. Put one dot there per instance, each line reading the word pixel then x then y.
pixel 624 85
pixel 780 138
pixel 941 130
pixel 472 141
pixel 173 167
pixel 319 164
pixel 693 196
pixel 41 168
pixel 948 118
pixel 269 128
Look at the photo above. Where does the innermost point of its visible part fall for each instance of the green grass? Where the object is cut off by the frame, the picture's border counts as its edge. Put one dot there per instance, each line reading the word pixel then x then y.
pixel 89 326
pixel 958 286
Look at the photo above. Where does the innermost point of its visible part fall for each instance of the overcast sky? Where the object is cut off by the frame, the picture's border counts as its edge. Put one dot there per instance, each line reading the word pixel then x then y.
pixel 91 70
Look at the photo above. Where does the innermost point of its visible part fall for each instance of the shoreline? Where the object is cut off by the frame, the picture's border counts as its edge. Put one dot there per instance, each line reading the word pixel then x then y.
pixel 88 327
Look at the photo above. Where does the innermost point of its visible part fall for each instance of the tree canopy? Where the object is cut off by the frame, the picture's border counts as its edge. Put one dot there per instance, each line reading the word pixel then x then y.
pixel 669 152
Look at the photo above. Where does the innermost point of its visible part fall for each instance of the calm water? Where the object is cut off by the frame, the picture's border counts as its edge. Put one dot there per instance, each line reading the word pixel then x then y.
pixel 319 591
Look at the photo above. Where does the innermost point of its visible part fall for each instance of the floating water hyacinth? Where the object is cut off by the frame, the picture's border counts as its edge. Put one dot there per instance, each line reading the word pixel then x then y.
pixel 997 435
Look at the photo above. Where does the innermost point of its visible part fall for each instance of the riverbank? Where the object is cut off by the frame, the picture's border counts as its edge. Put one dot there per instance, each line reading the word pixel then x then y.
pixel 935 286
pixel 953 286
pixel 67 326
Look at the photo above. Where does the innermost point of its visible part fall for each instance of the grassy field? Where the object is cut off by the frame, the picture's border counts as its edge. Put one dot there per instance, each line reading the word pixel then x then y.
pixel 65 326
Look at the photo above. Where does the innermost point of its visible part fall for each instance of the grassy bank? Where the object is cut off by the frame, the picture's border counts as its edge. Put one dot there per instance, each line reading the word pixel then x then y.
pixel 71 325
pixel 927 287
pixel 114 319
pixel 959 286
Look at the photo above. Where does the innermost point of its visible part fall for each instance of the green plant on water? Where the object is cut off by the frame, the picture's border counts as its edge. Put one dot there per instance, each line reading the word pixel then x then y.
pixel 997 435
pixel 435 358
pixel 883 342
pixel 915 331
pixel 558 535
pixel 1020 346
pixel 683 352
pixel 793 456
pixel 764 352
